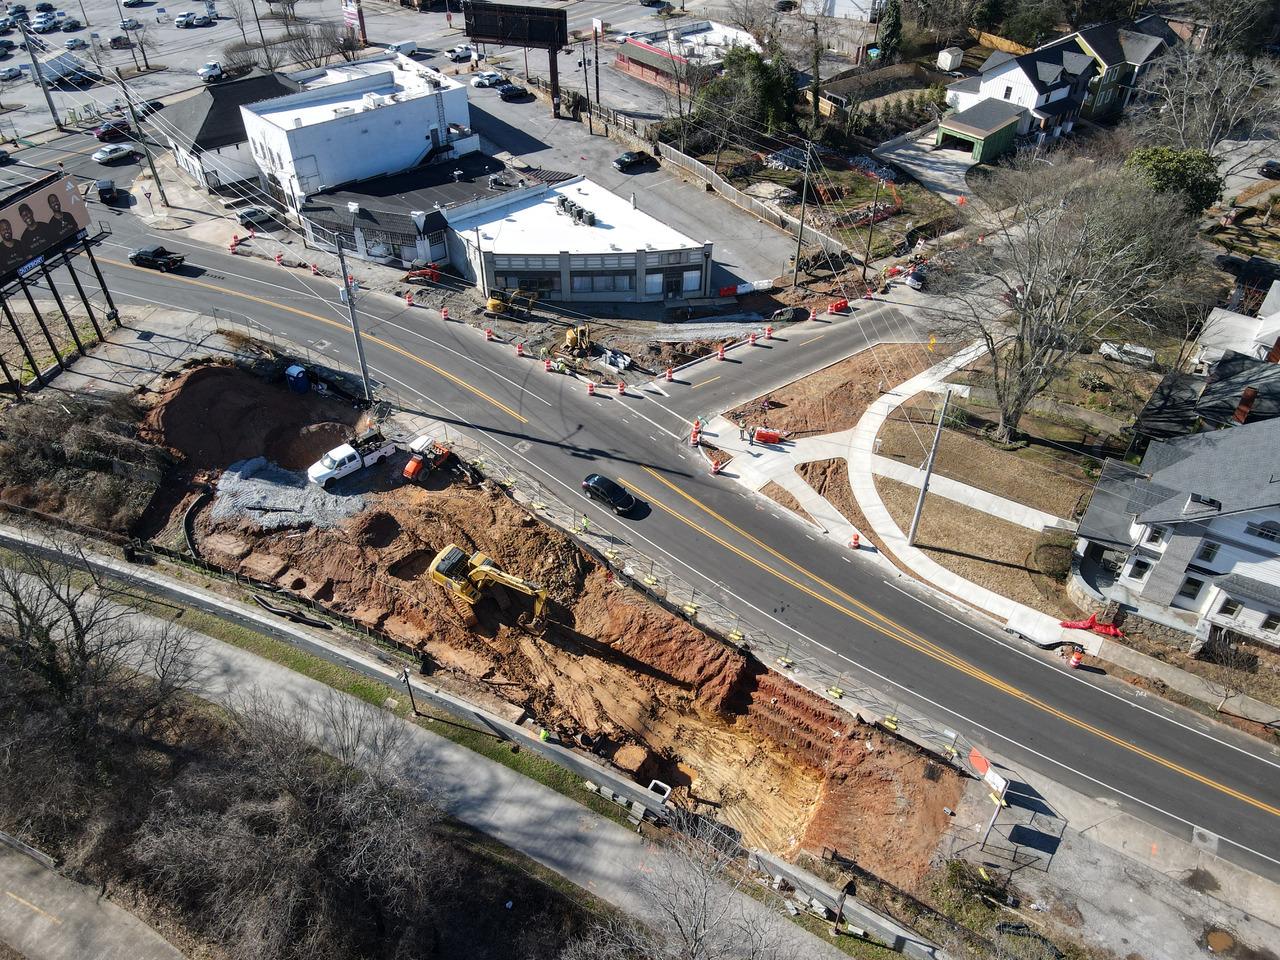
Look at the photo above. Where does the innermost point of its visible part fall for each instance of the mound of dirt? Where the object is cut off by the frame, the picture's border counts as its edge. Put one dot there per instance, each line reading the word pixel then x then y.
pixel 212 416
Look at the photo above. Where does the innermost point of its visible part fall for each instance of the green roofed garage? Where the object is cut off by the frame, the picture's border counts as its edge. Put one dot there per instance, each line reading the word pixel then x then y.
pixel 988 128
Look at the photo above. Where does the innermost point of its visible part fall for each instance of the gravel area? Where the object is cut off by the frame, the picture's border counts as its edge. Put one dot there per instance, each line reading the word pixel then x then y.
pixel 292 500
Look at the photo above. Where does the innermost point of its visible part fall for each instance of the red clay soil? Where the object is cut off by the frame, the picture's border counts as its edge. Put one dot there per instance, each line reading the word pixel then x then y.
pixel 213 416
pixel 670 701
pixel 835 398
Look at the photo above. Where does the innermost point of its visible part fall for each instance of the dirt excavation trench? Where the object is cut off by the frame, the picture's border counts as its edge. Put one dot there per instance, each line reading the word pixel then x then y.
pixel 776 762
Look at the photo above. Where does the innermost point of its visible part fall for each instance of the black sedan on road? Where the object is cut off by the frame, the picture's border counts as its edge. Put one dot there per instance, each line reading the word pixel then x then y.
pixel 1270 170
pixel 632 158
pixel 609 493
pixel 157 258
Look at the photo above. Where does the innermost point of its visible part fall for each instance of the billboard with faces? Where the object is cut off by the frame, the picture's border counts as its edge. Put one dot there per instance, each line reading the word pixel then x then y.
pixel 41 220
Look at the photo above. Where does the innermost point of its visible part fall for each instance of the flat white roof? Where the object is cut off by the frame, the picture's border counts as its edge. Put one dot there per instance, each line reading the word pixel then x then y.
pixel 705 39
pixel 390 80
pixel 534 224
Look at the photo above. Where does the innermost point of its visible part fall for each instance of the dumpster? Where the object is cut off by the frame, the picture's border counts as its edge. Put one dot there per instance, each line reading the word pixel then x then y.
pixel 298 379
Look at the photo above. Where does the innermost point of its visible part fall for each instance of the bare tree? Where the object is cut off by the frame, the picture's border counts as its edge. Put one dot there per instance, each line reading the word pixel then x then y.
pixel 280 850
pixel 315 44
pixel 756 17
pixel 240 11
pixel 945 19
pixel 103 666
pixel 693 904
pixel 1199 101
pixel 1234 26
pixel 1229 664
pixel 1070 251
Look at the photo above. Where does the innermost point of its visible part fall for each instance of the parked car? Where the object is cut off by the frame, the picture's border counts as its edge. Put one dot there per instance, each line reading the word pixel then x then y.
pixel 75 43
pixel 915 279
pixel 148 108
pixel 254 215
pixel 113 131
pixel 44 6
pixel 782 6
pixel 45 26
pixel 609 493
pixel 512 91
pixel 632 158
pixel 114 153
pixel 120 42
pixel 17 8
pixel 128 23
pixel 1270 170
pixel 132 3
pixel 4 156
pixel 652 3
pixel 460 53
pixel 200 20
pixel 183 19
pixel 107 191
pixel 7 44
pixel 488 78
pixel 210 71
pixel 70 25
pixel 369 448
pixel 157 258
pixel 10 73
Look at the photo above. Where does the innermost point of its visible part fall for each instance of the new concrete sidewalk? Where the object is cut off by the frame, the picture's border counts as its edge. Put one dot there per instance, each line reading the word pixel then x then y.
pixel 45 916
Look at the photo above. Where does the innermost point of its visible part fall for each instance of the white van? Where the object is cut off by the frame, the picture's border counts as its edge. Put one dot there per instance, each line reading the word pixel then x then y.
pixel 406 48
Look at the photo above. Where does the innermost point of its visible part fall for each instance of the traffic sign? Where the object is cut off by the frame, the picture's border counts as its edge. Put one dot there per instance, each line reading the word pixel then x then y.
pixel 147 194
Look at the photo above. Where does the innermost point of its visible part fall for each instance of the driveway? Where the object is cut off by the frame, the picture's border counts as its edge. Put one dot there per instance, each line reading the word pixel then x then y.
pixel 941 171
pixel 1240 162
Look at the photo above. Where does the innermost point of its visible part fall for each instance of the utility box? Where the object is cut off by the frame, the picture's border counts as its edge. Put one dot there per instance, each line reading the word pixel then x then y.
pixel 950 59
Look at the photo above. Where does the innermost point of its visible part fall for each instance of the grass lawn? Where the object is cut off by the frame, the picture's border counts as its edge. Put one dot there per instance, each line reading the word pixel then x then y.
pixel 1056 487
pixel 1003 557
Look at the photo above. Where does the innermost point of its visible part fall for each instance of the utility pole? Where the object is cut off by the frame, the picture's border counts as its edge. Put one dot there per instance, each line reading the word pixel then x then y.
pixel 815 87
pixel 596 34
pixel 804 200
pixel 142 138
pixel 351 311
pixel 871 229
pixel 253 5
pixel 409 686
pixel 586 85
pixel 84 15
pixel 928 471
pixel 484 280
pixel 35 68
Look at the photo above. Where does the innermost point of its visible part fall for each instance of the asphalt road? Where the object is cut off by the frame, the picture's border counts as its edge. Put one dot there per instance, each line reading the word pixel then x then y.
pixel 1093 734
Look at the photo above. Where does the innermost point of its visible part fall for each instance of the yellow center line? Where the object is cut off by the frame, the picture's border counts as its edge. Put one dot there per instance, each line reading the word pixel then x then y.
pixel 333 323
pixel 811 339
pixel 31 906
pixel 921 645
pixel 705 382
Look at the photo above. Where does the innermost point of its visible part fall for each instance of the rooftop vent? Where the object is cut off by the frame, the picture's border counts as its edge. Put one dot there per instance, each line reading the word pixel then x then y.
pixel 1198 501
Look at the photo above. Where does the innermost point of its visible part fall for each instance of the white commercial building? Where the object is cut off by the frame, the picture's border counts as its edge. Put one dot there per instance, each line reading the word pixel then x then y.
pixel 575 241
pixel 355 121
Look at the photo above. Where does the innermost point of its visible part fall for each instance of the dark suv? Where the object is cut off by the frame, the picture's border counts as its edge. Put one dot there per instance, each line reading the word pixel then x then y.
pixel 609 493
pixel 157 258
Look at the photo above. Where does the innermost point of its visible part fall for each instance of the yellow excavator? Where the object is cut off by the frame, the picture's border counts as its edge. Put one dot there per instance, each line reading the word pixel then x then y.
pixel 510 303
pixel 577 341
pixel 466 575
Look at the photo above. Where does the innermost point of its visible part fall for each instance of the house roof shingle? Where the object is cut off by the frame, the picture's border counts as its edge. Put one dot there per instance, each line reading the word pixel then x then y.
pixel 211 119
pixel 1247 588
pixel 984 118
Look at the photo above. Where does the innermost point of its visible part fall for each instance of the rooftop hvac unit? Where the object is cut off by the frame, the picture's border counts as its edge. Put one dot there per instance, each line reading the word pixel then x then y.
pixel 588 218
pixel 344 111
pixel 561 203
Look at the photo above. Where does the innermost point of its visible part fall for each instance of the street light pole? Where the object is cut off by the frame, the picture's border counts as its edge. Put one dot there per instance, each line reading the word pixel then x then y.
pixel 354 208
pixel 142 138
pixel 928 472
pixel 409 687
pixel 804 202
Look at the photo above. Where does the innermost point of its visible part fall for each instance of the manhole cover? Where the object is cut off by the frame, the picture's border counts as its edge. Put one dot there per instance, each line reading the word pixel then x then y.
pixel 1219 941
pixel 145 334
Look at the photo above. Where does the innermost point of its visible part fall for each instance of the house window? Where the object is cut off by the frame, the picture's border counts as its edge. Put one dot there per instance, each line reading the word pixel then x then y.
pixel 1156 534
pixel 1230 608
pixel 1139 570
pixel 1208 551
pixel 1270 530
pixel 692 281
pixel 1191 588
pixel 1008 93
pixel 436 238
pixel 1271 622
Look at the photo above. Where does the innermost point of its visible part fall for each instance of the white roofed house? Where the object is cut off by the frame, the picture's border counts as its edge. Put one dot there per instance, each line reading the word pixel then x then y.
pixel 1190 539
pixel 1048 84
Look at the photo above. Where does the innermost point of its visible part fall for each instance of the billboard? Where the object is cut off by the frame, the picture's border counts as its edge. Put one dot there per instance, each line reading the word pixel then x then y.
pixel 40 220
pixel 508 24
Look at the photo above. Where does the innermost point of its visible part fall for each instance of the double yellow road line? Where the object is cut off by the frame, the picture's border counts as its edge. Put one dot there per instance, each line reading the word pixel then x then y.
pixel 837 599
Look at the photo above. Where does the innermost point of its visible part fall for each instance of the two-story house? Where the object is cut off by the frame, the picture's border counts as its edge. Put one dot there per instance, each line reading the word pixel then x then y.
pixel 1124 51
pixel 1191 537
pixel 1038 93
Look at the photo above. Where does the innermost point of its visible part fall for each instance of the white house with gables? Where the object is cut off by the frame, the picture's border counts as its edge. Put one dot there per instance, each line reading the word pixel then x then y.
pixel 1191 537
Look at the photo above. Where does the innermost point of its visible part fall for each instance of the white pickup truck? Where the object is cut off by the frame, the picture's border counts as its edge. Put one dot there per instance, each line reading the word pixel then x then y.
pixel 369 448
